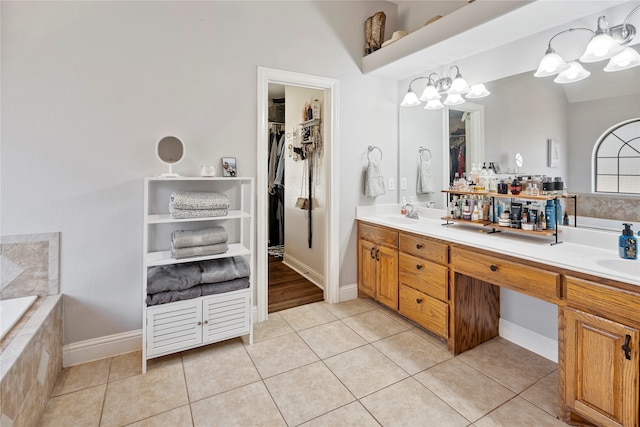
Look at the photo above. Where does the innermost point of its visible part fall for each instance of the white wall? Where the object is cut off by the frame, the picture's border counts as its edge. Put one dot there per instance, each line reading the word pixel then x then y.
pixel 89 87
pixel 296 244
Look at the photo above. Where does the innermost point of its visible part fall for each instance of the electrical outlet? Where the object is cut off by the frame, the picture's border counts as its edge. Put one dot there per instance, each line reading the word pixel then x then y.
pixel 392 184
pixel 403 183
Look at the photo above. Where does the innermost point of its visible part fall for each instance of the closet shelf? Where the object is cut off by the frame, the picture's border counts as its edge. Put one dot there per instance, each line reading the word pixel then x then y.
pixel 164 257
pixel 166 218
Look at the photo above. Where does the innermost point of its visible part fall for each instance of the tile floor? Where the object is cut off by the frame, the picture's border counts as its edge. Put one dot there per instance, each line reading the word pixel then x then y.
pixel 348 364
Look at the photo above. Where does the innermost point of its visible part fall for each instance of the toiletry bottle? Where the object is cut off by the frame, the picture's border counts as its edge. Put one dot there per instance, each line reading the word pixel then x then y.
pixel 628 243
pixel 475 216
pixel 403 208
pixel 565 219
pixel 316 109
pixel 466 210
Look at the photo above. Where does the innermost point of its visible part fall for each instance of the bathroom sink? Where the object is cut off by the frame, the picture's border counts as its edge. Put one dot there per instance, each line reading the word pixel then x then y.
pixel 399 219
pixel 625 266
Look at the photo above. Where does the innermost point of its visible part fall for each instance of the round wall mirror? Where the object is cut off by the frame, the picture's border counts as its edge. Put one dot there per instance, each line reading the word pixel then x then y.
pixel 519 160
pixel 170 150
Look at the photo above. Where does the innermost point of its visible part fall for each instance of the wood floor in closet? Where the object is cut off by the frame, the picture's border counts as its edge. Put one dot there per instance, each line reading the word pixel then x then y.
pixel 288 289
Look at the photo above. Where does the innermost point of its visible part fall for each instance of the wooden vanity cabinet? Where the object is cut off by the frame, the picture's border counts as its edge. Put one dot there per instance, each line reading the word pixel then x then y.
pixel 424 290
pixel 601 350
pixel 378 264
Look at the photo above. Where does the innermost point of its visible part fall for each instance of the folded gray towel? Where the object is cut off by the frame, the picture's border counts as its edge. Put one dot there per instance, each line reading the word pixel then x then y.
pixel 198 200
pixel 223 269
pixel 222 287
pixel 175 277
pixel 218 248
pixel 196 213
pixel 200 290
pixel 207 236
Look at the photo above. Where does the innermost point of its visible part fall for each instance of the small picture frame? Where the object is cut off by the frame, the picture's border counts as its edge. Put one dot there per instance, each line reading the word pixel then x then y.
pixel 229 167
pixel 553 153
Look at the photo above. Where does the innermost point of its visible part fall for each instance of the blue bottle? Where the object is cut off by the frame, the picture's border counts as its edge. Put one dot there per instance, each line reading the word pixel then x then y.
pixel 550 215
pixel 628 243
pixel 558 208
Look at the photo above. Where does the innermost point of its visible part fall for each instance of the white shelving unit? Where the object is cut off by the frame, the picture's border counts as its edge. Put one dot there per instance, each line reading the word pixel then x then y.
pixel 177 326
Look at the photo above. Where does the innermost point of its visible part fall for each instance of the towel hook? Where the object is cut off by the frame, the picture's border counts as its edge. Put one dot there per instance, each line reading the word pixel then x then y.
pixel 422 150
pixel 371 148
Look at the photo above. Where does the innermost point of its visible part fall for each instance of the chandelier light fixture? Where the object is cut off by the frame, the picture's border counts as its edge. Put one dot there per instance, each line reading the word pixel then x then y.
pixel 606 43
pixel 438 86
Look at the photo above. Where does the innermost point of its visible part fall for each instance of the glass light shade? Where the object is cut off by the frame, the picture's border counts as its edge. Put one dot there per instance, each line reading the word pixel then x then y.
pixel 434 104
pixel 551 64
pixel 478 91
pixel 459 86
pixel 601 47
pixel 454 99
pixel 410 99
pixel 574 73
pixel 430 93
pixel 628 58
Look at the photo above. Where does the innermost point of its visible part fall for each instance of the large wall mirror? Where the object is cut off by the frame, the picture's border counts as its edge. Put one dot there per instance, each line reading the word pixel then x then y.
pixel 521 115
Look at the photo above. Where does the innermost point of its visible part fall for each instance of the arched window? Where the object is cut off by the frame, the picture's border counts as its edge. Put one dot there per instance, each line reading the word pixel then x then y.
pixel 616 159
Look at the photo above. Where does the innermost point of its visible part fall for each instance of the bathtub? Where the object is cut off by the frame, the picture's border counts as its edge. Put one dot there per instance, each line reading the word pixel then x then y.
pixel 11 310
pixel 30 361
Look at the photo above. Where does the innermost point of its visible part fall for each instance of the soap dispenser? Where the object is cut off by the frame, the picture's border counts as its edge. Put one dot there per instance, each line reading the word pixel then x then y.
pixel 628 246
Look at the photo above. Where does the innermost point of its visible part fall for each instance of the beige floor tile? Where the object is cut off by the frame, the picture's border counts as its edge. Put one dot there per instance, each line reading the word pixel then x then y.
pixel 179 417
pixel 374 325
pixel 280 354
pixel 126 365
pixel 519 413
pixel 509 364
pixel 218 372
pixel 349 308
pixel 307 392
pixel 135 398
pixel 274 326
pixel 544 393
pixel 78 377
pixel 78 409
pixel 215 348
pixel 331 339
pixel 307 316
pixel 365 370
pixel 411 352
pixel 465 389
pixel 409 403
pixel 351 415
pixel 397 317
pixel 250 405
pixel 437 341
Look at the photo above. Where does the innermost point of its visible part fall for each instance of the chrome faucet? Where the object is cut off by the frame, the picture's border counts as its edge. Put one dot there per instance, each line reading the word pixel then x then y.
pixel 411 212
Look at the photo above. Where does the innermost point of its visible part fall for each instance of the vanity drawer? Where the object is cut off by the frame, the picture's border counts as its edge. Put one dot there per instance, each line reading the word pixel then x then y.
pixel 424 310
pixel 424 248
pixel 378 235
pixel 603 299
pixel 529 280
pixel 424 276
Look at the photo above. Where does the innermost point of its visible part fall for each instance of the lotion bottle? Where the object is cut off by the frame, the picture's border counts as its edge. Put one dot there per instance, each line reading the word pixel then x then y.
pixel 628 244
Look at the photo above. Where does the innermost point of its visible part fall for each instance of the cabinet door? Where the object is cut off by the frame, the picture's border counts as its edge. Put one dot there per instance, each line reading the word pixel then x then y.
pixel 226 315
pixel 173 327
pixel 601 369
pixel 387 272
pixel 367 268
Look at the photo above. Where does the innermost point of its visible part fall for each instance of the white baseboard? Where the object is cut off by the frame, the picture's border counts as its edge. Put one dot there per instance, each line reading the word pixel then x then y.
pixel 100 348
pixel 304 270
pixel 539 344
pixel 348 292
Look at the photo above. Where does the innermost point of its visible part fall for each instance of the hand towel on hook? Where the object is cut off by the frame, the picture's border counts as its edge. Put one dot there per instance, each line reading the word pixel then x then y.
pixel 425 180
pixel 374 180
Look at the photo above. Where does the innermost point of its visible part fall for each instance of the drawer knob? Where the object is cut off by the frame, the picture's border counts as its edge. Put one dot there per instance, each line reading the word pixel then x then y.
pixel 419 266
pixel 419 300
pixel 419 246
pixel 493 267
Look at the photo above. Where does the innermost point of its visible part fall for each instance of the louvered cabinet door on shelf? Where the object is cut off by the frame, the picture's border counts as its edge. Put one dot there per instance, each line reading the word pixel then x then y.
pixel 206 317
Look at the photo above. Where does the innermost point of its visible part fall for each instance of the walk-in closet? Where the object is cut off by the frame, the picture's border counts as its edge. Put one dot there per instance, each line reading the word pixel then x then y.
pixel 295 198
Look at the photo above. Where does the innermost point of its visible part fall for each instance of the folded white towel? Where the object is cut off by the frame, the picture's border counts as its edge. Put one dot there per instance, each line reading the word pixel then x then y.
pixel 374 180
pixel 198 200
pixel 203 237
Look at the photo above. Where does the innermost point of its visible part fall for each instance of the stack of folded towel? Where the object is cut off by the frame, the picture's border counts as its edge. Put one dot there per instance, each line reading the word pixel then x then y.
pixel 177 282
pixel 208 241
pixel 189 204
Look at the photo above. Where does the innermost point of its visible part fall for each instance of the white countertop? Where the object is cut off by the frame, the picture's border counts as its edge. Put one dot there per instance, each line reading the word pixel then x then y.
pixel 592 252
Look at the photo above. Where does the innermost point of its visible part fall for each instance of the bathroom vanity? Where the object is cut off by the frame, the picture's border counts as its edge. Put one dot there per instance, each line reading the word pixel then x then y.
pixel 447 280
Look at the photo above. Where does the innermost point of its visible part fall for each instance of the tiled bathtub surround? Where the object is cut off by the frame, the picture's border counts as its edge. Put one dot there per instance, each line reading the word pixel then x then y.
pixel 29 265
pixel 30 365
pixel 610 206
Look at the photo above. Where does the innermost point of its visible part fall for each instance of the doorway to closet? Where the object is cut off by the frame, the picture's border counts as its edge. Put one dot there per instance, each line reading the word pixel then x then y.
pixel 296 197
pixel 329 234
